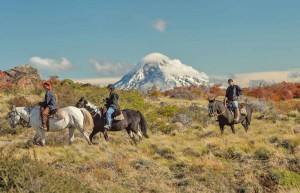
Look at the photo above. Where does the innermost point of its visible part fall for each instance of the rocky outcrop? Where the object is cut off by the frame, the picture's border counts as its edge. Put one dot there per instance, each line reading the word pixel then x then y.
pixel 24 76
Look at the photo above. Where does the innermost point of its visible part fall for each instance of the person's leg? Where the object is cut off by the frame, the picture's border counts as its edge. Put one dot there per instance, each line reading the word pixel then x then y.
pixel 45 113
pixel 109 112
pixel 237 112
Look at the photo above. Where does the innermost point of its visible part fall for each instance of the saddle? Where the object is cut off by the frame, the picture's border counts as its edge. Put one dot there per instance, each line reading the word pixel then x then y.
pixel 242 107
pixel 116 116
pixel 56 114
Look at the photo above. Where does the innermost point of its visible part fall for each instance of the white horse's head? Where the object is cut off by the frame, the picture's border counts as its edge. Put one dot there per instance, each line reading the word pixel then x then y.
pixel 14 117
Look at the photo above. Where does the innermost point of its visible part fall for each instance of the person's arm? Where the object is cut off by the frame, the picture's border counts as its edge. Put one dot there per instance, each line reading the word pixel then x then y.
pixel 239 90
pixel 50 95
pixel 115 99
pixel 44 102
pixel 226 97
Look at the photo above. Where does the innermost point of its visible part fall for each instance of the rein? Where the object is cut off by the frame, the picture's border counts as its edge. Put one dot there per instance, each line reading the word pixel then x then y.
pixel 94 111
pixel 215 113
pixel 29 111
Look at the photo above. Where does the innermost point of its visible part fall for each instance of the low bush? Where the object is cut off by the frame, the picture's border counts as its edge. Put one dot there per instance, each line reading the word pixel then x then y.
pixel 286 179
pixel 27 175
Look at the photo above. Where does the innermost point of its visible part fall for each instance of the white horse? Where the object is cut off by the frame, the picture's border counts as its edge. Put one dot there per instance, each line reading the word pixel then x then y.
pixel 72 118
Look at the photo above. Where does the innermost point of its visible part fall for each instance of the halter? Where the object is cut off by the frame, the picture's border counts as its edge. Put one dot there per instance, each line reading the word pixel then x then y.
pixel 94 111
pixel 215 113
pixel 17 113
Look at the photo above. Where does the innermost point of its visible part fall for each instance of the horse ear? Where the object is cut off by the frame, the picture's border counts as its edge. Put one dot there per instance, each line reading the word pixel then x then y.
pixel 85 102
pixel 81 99
pixel 211 97
pixel 14 107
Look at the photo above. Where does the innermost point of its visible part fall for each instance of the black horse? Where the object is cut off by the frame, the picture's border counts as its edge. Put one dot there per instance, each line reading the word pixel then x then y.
pixel 131 122
pixel 225 116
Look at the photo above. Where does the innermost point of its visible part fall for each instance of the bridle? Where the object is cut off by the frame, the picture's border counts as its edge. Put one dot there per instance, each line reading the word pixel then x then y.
pixel 214 110
pixel 94 111
pixel 16 113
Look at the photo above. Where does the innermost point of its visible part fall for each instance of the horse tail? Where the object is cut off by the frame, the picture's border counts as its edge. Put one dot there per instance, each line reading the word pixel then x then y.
pixel 88 119
pixel 143 125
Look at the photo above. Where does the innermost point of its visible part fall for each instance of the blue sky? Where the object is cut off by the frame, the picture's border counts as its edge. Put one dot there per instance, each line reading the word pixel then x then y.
pixel 88 39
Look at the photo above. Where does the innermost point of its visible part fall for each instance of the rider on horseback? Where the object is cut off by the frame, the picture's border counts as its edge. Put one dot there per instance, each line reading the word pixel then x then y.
pixel 232 93
pixel 111 105
pixel 48 105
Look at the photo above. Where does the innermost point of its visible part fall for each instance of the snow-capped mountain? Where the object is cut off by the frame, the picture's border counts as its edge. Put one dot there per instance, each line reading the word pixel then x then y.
pixel 162 72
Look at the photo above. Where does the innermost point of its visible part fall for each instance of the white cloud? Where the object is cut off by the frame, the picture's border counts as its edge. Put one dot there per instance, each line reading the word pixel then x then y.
pixel 295 74
pixel 107 69
pixel 256 78
pixel 160 25
pixel 63 65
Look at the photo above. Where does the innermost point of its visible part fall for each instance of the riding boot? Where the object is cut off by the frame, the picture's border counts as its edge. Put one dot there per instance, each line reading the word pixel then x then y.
pixel 236 115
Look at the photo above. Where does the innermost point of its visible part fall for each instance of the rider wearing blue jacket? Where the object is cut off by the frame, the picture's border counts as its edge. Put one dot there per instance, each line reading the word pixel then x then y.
pixel 48 105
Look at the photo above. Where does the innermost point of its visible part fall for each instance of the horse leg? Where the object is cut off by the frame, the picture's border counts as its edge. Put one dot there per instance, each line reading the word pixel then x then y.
pixel 35 137
pixel 85 135
pixel 43 138
pixel 232 128
pixel 244 123
pixel 94 132
pixel 105 134
pixel 222 128
pixel 71 135
pixel 130 133
pixel 248 121
pixel 138 133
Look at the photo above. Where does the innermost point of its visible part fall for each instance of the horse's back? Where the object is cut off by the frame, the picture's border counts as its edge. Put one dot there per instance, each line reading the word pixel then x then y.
pixel 130 113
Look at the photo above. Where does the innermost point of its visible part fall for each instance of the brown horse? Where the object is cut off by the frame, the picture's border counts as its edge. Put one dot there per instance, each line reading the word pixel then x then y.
pixel 225 116
pixel 132 120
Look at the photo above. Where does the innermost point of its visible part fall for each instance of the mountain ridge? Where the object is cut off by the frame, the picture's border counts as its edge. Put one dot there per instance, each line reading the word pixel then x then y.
pixel 158 70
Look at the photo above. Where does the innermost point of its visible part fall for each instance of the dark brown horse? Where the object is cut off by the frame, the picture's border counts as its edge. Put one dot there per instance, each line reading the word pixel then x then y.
pixel 132 120
pixel 225 116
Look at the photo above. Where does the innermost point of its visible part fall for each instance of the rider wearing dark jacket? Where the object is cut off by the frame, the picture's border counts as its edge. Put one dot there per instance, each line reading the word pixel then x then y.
pixel 48 105
pixel 111 105
pixel 232 93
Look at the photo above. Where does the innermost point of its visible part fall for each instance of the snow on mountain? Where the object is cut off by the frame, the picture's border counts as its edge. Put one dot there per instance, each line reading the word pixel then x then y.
pixel 162 72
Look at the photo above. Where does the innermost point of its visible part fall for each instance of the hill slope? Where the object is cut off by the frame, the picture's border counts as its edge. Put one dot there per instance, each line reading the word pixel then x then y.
pixel 185 153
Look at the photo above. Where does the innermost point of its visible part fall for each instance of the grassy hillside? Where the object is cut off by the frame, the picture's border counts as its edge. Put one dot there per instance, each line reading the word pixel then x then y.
pixel 185 151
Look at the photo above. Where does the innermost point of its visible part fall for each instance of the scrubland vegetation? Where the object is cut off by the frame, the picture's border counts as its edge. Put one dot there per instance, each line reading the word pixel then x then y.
pixel 185 151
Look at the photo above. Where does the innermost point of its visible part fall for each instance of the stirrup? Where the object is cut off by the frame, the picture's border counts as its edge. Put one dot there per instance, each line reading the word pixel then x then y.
pixel 43 128
pixel 107 127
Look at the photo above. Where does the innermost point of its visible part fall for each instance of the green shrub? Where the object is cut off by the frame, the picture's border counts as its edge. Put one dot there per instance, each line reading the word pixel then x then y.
pixel 168 111
pixel 67 81
pixel 26 175
pixel 262 154
pixel 286 179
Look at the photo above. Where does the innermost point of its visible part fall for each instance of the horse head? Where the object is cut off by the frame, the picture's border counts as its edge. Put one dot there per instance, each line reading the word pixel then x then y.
pixel 211 105
pixel 81 103
pixel 14 117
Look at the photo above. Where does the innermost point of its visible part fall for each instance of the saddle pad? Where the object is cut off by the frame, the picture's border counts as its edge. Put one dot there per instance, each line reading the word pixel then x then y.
pixel 119 117
pixel 243 111
pixel 58 114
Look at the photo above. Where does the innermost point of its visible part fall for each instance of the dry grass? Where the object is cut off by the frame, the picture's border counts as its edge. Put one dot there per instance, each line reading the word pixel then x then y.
pixel 194 158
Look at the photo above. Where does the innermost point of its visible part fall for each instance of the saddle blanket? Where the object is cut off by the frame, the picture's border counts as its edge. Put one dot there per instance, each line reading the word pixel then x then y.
pixel 119 117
